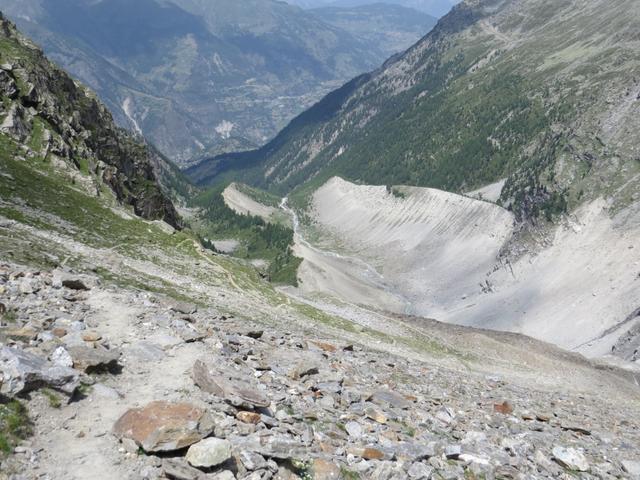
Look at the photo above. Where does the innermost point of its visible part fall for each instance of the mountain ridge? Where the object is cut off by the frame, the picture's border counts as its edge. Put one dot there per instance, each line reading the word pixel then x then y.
pixel 515 89
pixel 130 351
pixel 198 78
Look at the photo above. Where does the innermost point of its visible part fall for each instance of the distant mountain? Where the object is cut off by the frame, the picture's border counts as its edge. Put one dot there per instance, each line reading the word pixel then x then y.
pixel 436 8
pixel 391 27
pixel 545 97
pixel 200 77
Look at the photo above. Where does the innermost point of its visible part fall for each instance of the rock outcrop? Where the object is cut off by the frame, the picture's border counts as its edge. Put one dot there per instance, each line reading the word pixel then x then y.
pixel 46 109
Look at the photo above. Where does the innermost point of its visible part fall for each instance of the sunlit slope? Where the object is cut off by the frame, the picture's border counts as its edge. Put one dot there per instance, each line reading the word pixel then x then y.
pixel 455 259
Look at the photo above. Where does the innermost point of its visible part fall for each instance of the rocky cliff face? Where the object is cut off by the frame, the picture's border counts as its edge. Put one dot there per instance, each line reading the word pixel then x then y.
pixel 54 118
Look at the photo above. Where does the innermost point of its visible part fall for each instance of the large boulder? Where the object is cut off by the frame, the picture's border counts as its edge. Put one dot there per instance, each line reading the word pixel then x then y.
pixel 22 372
pixel 164 427
pixel 15 123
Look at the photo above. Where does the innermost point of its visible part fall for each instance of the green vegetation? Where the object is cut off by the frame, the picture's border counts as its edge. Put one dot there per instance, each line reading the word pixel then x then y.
pixel 258 239
pixel 8 316
pixel 396 192
pixel 467 108
pixel 52 397
pixel 302 469
pixel 14 426
pixel 70 210
pixel 349 474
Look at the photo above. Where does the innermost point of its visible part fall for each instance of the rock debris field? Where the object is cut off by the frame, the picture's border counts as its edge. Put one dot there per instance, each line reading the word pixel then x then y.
pixel 126 384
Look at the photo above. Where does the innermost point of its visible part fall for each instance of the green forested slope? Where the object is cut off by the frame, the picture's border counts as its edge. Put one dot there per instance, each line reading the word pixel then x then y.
pixel 541 92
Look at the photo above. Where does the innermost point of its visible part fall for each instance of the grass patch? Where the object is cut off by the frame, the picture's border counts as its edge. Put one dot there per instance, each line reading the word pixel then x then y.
pixel 349 474
pixel 52 397
pixel 9 317
pixel 15 426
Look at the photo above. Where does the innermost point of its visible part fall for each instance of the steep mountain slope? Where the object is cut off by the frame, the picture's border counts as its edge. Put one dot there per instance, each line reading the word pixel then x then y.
pixel 544 93
pixel 198 77
pixel 129 352
pixel 440 255
pixel 50 120
pixel 391 28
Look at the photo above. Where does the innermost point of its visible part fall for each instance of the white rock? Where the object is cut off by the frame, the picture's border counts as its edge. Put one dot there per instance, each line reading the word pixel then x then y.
pixel 632 468
pixel 61 357
pixel 420 471
pixel 570 458
pixel 354 429
pixel 209 452
pixel 468 458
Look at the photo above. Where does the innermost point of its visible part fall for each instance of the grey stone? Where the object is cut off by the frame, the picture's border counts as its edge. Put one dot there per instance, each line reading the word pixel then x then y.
pixel 186 331
pixel 446 415
pixel 185 308
pixel 387 397
pixel 273 445
pixel 631 467
pixel 228 384
pixel 97 359
pixel 22 372
pixel 61 357
pixel 354 429
pixel 252 461
pixel 570 458
pixel 28 286
pixel 452 451
pixel 177 469
pixel 420 471
pixel 414 452
pixel 209 452
pixel 224 475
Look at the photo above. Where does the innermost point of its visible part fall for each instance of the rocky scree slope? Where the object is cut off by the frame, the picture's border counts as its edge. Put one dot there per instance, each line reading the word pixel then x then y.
pixel 142 386
pixel 461 260
pixel 198 77
pixel 542 93
pixel 48 116
pixel 129 350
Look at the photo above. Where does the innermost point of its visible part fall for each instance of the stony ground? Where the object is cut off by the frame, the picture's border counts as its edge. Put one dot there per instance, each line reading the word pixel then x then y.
pixel 128 384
